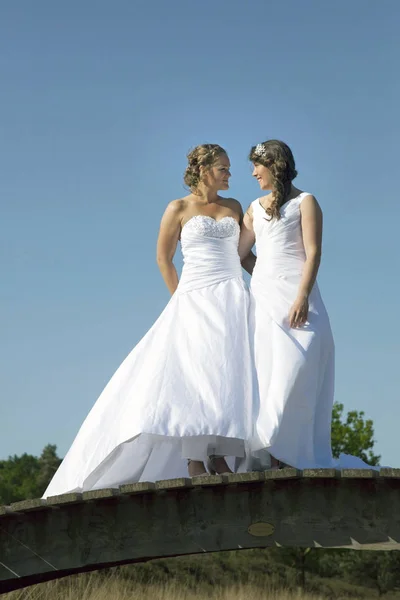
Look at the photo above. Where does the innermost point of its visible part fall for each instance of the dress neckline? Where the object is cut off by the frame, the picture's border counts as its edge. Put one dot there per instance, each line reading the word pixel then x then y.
pixel 284 204
pixel 208 217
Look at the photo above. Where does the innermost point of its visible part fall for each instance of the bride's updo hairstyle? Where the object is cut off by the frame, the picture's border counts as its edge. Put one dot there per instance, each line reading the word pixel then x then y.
pixel 204 155
pixel 278 158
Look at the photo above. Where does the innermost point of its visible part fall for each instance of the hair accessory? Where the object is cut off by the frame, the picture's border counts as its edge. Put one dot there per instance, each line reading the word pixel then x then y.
pixel 260 150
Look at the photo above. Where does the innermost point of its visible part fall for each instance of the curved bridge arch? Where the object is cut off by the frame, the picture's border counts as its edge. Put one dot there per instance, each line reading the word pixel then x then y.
pixel 46 539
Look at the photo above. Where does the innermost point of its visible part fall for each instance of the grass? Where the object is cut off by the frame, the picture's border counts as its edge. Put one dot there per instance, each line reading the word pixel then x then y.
pixel 244 575
pixel 91 587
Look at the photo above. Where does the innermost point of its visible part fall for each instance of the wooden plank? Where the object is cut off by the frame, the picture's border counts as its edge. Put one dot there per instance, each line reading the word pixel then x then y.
pixel 390 473
pixel 207 480
pixel 173 484
pixel 64 499
pixel 358 473
pixel 320 473
pixel 286 473
pixel 139 487
pixel 28 505
pixel 253 477
pixel 100 494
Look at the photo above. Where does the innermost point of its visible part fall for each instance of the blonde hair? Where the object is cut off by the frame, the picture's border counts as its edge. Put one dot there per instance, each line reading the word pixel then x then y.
pixel 204 155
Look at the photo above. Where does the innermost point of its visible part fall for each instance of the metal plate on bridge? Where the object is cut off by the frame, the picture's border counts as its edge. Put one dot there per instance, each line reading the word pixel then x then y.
pixel 261 529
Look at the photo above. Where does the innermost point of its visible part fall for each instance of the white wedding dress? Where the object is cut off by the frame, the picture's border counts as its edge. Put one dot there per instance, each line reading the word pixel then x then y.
pixel 186 390
pixel 295 367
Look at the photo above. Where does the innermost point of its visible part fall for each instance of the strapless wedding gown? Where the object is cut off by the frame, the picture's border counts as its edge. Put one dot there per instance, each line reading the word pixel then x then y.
pixel 186 390
pixel 295 367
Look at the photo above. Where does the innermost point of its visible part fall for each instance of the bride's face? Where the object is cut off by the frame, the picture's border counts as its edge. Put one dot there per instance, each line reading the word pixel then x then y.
pixel 263 176
pixel 217 176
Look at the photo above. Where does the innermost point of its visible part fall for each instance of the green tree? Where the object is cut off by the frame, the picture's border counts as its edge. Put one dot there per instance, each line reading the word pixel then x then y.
pixel 376 569
pixel 27 476
pixel 48 465
pixel 18 476
pixel 353 435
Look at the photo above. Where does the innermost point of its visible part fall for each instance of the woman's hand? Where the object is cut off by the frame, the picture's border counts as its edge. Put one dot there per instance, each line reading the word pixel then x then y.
pixel 299 312
pixel 311 227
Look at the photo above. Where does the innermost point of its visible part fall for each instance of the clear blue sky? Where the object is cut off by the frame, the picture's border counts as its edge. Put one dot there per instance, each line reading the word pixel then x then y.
pixel 99 103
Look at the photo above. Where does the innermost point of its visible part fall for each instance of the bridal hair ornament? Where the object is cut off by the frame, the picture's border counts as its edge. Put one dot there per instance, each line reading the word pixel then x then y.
pixel 260 150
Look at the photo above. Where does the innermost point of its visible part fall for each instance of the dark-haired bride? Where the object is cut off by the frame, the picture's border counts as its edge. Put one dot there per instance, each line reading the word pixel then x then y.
pixel 294 349
pixel 184 397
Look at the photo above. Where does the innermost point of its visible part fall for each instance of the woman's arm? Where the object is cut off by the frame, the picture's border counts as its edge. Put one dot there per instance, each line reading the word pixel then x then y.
pixel 167 242
pixel 246 242
pixel 311 225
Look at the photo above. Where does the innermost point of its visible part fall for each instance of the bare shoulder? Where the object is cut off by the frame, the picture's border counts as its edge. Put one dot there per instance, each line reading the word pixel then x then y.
pixel 176 207
pixel 309 199
pixel 234 205
pixel 232 202
pixel 309 203
pixel 173 214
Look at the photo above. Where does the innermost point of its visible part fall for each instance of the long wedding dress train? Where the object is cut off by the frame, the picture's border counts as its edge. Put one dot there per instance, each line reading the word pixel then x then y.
pixel 187 389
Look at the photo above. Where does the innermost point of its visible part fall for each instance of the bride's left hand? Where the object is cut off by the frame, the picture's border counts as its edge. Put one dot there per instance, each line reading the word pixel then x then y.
pixel 298 313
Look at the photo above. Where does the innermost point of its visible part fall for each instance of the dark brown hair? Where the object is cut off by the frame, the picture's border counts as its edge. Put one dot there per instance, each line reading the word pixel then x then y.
pixel 278 157
pixel 204 155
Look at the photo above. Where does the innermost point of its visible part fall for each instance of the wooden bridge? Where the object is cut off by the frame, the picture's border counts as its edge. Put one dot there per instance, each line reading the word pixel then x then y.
pixel 46 539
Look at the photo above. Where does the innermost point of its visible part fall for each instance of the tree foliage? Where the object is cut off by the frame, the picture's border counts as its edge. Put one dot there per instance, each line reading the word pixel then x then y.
pixel 27 476
pixel 353 435
pixel 380 570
